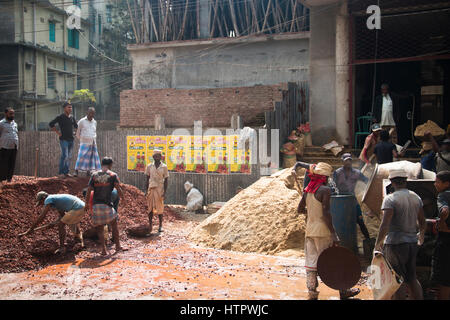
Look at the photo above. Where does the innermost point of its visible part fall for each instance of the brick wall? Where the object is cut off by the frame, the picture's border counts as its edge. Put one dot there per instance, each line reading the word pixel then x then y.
pixel 181 107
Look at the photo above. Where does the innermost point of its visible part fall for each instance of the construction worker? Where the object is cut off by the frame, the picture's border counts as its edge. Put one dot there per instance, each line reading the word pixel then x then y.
pixel 440 272
pixel 103 183
pixel 156 186
pixel 71 212
pixel 320 233
pixel 369 144
pixel 397 237
pixel 345 179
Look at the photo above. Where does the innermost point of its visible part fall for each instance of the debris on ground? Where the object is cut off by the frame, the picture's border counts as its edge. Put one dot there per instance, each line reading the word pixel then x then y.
pixel 262 218
pixel 214 207
pixel 334 147
pixel 18 211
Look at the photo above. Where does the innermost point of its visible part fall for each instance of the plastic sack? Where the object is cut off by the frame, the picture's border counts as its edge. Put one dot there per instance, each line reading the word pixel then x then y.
pixel 383 280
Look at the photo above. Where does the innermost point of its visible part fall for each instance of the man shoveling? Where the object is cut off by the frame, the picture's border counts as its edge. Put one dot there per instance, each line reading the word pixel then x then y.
pixel 71 212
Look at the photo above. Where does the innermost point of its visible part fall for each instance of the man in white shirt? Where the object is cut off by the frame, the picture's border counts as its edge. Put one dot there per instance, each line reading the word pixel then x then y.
pixel 386 112
pixel 88 159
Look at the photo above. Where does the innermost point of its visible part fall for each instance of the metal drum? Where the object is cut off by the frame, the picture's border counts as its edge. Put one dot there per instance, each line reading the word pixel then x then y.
pixel 343 212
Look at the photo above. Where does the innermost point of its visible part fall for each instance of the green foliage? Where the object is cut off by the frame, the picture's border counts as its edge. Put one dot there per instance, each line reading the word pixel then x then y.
pixel 83 95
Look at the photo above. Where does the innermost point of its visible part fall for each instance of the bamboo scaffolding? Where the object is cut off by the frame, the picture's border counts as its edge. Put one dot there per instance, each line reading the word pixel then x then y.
pixel 169 20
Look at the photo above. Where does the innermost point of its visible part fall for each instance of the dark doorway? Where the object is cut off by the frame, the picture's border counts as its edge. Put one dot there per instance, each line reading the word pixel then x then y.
pixel 422 86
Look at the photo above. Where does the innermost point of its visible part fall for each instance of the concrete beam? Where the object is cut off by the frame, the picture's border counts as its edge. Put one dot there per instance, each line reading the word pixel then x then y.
pixel 245 39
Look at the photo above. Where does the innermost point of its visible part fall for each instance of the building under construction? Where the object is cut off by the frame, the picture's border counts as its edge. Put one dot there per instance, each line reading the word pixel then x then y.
pixel 324 46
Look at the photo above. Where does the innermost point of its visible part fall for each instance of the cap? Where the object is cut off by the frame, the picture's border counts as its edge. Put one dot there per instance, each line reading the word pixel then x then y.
pixel 188 186
pixel 41 195
pixel 397 173
pixel 66 103
pixel 346 156
pixel 157 151
pixel 376 127
pixel 323 169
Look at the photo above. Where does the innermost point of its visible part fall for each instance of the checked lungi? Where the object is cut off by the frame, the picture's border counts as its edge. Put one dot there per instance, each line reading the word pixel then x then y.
pixel 102 214
pixel 88 158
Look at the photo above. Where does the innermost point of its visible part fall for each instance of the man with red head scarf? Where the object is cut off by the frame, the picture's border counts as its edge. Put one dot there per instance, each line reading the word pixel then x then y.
pixel 320 233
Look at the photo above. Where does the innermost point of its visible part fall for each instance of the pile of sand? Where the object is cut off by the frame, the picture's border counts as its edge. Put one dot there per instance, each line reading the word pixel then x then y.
pixel 431 127
pixel 262 218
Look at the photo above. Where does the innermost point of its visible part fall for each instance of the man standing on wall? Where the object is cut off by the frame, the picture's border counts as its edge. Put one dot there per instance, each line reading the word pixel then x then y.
pixel 9 142
pixel 88 158
pixel 66 123
pixel 386 111
pixel 156 186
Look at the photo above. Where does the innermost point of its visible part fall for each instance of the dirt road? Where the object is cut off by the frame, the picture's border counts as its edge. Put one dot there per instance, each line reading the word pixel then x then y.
pixel 166 266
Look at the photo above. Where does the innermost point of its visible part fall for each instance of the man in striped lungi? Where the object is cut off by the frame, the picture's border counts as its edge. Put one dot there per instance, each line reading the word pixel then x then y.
pixel 88 159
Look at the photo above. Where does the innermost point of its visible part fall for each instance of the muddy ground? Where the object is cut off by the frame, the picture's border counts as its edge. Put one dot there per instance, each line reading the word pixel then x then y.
pixel 166 266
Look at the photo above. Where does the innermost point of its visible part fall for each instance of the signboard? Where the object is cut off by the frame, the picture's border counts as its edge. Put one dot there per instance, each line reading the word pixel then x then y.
pixel 197 159
pixel 217 154
pixel 177 149
pixel 197 154
pixel 240 158
pixel 136 151
pixel 156 142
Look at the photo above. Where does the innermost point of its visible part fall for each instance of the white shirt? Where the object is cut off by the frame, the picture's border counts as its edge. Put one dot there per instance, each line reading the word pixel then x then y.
pixel 87 130
pixel 387 112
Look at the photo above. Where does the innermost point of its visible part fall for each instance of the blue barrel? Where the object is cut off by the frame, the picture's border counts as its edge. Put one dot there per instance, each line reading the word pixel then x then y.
pixel 343 212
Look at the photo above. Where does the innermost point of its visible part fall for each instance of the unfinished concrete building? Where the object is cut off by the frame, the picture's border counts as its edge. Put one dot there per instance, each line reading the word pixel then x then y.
pixel 324 46
pixel 207 60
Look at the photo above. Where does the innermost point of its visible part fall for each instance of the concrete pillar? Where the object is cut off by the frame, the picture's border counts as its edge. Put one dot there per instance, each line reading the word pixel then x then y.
pixel 236 122
pixel 322 78
pixel 204 19
pixel 159 122
pixel 198 127
pixel 342 75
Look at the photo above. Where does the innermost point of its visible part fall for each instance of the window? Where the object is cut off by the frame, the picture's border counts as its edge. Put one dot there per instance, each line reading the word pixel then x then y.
pixel 79 82
pixel 73 38
pixel 99 24
pixel 108 14
pixel 51 75
pixel 77 3
pixel 51 30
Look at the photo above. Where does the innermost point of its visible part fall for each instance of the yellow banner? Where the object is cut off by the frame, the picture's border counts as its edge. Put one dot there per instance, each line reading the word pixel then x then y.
pixel 239 158
pixel 177 149
pixel 136 149
pixel 197 155
pixel 217 154
pixel 156 142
